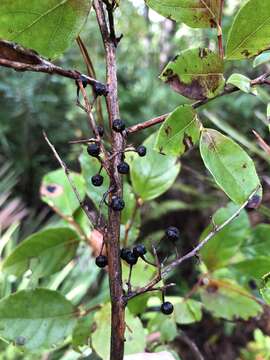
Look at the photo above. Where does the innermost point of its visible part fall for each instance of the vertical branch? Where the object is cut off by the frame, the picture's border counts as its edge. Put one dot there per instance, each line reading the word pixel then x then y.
pixel 219 31
pixel 113 233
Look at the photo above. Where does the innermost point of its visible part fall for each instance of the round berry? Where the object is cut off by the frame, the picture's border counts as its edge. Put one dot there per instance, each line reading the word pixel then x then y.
pixel 100 130
pixel 100 89
pixel 93 149
pixel 124 252
pixel 117 203
pixel 101 261
pixel 166 308
pixel 131 259
pixel 97 180
pixel 123 168
pixel 172 233
pixel 118 125
pixel 141 150
pixel 139 250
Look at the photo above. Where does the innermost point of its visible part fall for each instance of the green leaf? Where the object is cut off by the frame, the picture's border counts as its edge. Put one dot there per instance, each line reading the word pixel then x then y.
pixel 44 252
pixel 153 174
pixel 265 290
pixel 258 243
pixel 249 35
pixel 226 300
pixel 225 244
pixel 35 319
pixel 254 268
pixel 179 132
pixel 90 166
pixel 261 59
pixel 141 275
pixel 49 27
pixel 163 324
pixel 194 13
pixel 231 167
pixel 57 192
pixel 240 81
pixel 187 311
pixel 135 337
pixel 195 73
pixel 81 332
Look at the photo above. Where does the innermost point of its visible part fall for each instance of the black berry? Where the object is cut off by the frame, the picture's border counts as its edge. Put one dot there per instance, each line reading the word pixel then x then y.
pixel 172 233
pixel 97 180
pixel 139 250
pixel 101 261
pixel 131 259
pixel 100 130
pixel 100 89
pixel 124 252
pixel 141 150
pixel 123 168
pixel 118 125
pixel 93 149
pixel 166 308
pixel 117 203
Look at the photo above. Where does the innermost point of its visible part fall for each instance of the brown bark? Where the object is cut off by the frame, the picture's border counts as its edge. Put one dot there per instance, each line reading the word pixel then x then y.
pixel 113 231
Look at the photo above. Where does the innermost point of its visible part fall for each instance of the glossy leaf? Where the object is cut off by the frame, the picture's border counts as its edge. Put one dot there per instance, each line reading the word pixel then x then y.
pixel 195 73
pixel 194 13
pixel 261 59
pixel 240 81
pixel 44 252
pixel 179 132
pixel 226 300
pixel 225 244
pixel 249 35
pixel 48 27
pixel 35 319
pixel 135 338
pixel 57 192
pixel 231 167
pixel 153 174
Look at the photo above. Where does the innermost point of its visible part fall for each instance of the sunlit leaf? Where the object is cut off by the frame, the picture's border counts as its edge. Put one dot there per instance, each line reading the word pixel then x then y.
pixel 249 35
pixel 194 13
pixel 240 81
pixel 231 167
pixel 179 132
pixel 49 27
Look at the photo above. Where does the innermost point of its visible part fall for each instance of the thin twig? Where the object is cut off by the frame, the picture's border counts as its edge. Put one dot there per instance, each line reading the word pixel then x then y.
pixel 261 80
pixel 191 344
pixel 67 172
pixel 162 273
pixel 219 30
pixel 33 62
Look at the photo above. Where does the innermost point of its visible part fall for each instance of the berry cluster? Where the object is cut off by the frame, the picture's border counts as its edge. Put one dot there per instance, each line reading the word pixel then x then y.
pixel 131 256
pixel 94 150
